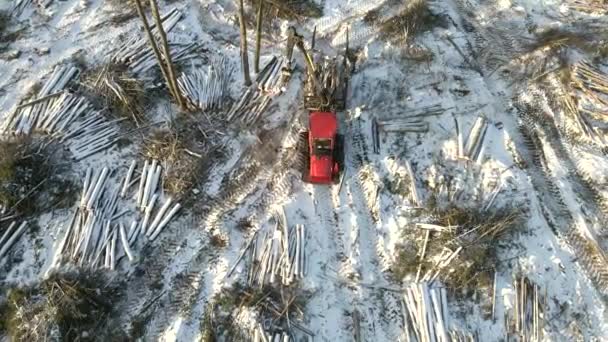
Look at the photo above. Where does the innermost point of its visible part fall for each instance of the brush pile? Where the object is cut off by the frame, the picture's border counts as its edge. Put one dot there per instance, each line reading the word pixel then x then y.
pixel 280 256
pixel 120 93
pixel 426 315
pixel 255 99
pixel 207 90
pixel 258 315
pixel 63 307
pixel 95 237
pixel 459 246
pixel 582 92
pixel 413 19
pixel 528 316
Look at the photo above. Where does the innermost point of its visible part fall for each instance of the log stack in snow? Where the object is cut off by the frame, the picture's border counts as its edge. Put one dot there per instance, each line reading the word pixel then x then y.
pixel 426 316
pixel 279 256
pixel 102 231
pixel 137 54
pixel 207 90
pixel 64 116
pixel 249 108
pixel 50 107
pixel 528 314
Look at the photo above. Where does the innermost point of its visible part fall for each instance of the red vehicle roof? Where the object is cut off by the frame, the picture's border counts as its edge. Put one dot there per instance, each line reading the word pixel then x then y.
pixel 323 125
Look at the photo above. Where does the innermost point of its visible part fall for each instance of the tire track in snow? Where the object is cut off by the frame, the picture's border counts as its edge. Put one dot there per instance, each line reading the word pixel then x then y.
pixel 542 137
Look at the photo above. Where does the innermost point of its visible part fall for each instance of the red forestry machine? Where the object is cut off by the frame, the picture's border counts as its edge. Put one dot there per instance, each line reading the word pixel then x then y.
pixel 325 87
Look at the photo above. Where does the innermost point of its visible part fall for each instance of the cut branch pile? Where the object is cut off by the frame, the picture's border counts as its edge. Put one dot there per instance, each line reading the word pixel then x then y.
pixel 9 236
pixel 47 107
pixel 279 256
pixel 594 84
pixel 207 90
pixel 246 314
pixel 582 92
pixel 528 315
pixel 590 6
pixel 94 234
pixel 255 99
pixel 426 316
pixel 459 246
pixel 123 95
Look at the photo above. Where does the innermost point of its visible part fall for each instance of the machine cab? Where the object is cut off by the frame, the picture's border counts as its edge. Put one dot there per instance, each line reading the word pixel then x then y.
pixel 323 166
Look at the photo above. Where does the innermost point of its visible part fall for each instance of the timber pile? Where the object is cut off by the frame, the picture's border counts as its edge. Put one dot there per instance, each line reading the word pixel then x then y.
pixel 49 107
pixel 64 115
pixel 255 99
pixel 410 121
pixel 95 237
pixel 137 54
pixel 426 316
pixel 10 236
pixel 280 256
pixel 528 315
pixel 474 147
pixel 207 90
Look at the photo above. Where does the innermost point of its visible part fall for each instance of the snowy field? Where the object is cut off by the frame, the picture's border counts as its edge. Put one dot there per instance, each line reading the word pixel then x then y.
pixel 489 110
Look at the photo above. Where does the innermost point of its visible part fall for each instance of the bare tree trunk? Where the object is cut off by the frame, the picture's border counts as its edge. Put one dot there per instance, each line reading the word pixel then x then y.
pixel 244 54
pixel 152 41
pixel 170 68
pixel 258 36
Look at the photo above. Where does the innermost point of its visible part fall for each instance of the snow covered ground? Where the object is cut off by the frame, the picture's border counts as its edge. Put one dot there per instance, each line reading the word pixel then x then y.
pixel 354 230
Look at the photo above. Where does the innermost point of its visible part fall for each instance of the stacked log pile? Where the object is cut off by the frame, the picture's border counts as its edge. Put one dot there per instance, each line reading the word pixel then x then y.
pixel 64 116
pixel 207 90
pixel 137 53
pixel 97 235
pixel 51 106
pixel 426 316
pixel 528 316
pixel 255 99
pixel 278 257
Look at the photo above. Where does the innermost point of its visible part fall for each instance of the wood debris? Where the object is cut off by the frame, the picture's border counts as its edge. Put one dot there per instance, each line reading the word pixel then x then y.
pixel 426 316
pixel 46 111
pixel 207 90
pixel 96 235
pixel 474 147
pixel 528 316
pixel 278 257
pixel 256 98
pixel 137 54
pixel 10 236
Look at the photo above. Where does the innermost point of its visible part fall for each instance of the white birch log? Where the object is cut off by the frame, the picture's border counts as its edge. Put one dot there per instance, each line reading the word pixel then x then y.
pixel 165 221
pixel 125 243
pixel 9 242
pixel 159 216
